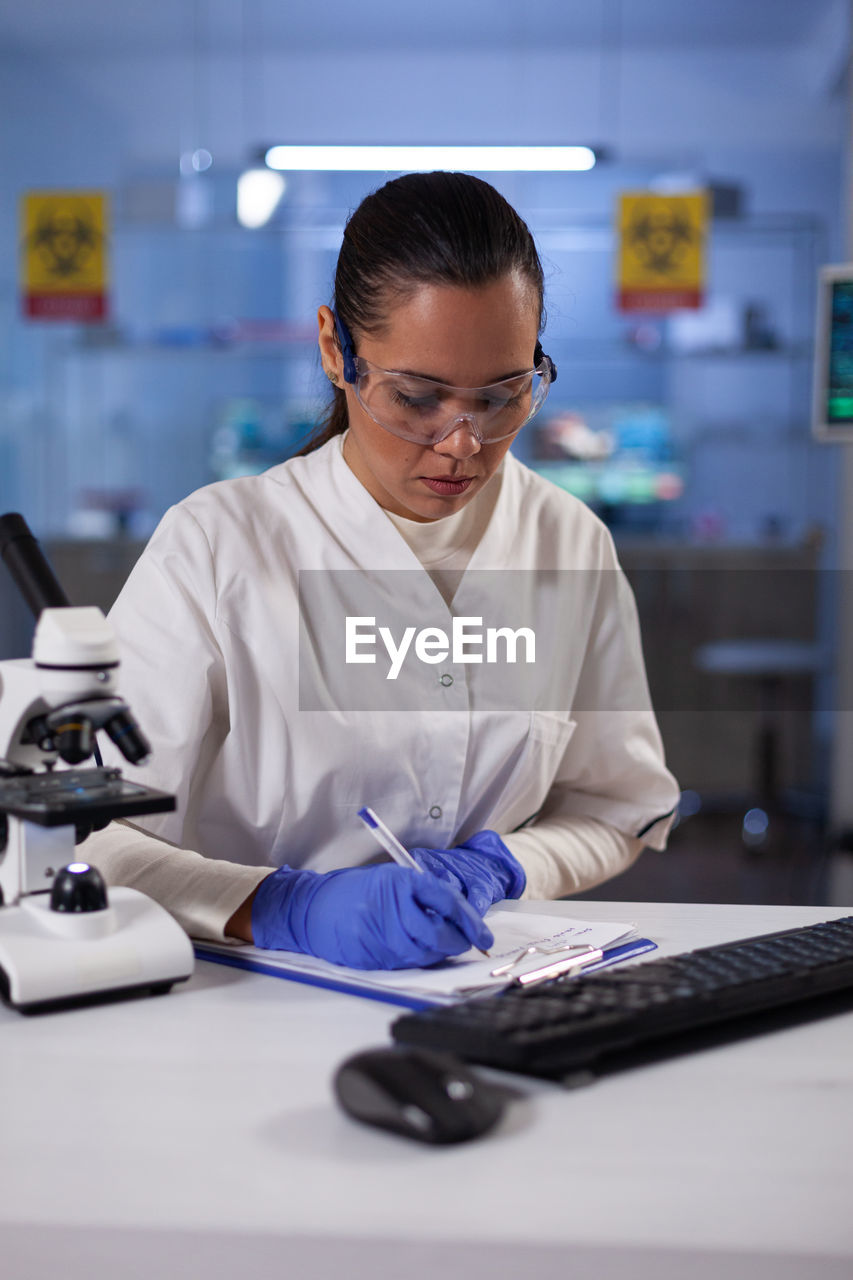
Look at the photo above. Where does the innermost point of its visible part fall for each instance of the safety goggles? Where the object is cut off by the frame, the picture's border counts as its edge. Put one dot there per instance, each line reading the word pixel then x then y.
pixel 426 412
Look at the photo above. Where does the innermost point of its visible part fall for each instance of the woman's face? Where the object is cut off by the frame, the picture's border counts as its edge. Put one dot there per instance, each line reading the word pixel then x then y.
pixel 463 337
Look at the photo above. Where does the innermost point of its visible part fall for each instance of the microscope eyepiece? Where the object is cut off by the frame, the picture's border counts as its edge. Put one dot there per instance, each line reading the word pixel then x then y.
pixel 26 562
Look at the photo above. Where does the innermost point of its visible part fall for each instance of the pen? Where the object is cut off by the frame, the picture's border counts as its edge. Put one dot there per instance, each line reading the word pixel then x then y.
pixel 392 846
pixel 388 840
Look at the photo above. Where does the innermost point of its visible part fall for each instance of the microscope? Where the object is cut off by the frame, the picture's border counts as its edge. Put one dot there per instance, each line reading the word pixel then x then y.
pixel 63 939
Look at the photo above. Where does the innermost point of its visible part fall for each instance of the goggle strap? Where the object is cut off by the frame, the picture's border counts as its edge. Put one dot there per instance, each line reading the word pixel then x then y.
pixel 347 348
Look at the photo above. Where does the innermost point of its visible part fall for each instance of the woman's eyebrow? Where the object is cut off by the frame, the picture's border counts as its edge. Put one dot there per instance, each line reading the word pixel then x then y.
pixel 431 377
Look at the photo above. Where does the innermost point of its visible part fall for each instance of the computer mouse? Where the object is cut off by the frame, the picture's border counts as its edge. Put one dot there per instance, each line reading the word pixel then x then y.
pixel 418 1093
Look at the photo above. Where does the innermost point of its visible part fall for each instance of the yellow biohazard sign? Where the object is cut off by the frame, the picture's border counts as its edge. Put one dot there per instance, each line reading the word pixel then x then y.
pixel 64 256
pixel 661 263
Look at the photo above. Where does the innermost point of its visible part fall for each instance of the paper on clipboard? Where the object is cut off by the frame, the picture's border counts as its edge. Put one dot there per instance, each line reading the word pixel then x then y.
pixel 514 931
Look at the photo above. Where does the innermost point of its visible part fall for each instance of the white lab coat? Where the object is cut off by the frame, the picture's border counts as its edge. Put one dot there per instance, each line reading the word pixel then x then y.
pixel 209 628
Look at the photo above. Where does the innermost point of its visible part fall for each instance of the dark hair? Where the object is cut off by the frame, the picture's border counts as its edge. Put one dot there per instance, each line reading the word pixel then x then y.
pixel 424 228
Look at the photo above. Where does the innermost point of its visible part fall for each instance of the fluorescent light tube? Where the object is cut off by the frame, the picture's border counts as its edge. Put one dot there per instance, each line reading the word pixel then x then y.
pixel 408 159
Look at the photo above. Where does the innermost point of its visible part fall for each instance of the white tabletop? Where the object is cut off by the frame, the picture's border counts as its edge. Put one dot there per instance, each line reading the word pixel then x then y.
pixel 196 1135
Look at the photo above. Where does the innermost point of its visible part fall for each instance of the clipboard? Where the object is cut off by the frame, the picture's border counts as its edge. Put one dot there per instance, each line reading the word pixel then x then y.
pixel 346 981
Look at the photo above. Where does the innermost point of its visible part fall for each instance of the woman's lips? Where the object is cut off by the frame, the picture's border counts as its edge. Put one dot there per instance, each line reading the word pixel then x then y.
pixel 447 486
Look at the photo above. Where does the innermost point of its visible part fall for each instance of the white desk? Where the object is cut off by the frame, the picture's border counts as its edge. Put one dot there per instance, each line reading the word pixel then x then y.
pixel 195 1135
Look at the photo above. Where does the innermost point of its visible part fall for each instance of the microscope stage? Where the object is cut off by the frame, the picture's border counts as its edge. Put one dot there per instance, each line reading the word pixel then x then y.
pixel 59 798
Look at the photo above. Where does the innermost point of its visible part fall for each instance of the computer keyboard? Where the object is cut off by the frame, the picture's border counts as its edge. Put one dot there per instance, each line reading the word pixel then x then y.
pixel 573 1024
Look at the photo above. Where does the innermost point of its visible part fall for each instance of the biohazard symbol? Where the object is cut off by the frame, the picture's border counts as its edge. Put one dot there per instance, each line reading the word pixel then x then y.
pixel 661 236
pixel 64 241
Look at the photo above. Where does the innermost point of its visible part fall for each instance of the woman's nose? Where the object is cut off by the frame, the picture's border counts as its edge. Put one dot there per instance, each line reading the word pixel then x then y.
pixel 461 441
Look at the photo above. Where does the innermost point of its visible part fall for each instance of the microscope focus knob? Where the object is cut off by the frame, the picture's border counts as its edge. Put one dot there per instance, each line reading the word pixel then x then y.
pixel 77 888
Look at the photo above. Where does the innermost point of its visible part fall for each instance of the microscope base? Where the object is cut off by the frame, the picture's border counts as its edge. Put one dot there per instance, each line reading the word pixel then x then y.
pixel 49 958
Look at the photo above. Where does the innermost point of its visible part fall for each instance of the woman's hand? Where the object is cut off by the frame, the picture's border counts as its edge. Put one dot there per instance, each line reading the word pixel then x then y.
pixel 483 869
pixel 380 917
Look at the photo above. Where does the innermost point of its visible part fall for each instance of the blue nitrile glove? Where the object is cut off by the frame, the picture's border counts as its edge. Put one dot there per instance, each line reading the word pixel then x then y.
pixel 482 868
pixel 381 917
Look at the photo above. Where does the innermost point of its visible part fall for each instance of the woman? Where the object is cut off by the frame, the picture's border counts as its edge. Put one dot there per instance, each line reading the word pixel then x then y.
pixel 508 770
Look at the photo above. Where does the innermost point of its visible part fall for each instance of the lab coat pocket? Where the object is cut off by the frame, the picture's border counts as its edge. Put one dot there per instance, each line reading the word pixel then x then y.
pixel 528 785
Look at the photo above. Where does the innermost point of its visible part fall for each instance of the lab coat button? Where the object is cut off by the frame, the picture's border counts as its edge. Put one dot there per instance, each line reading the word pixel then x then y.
pixel 435 811
pixel 446 679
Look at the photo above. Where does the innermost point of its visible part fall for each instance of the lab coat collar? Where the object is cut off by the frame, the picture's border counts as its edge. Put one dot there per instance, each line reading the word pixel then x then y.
pixel 354 515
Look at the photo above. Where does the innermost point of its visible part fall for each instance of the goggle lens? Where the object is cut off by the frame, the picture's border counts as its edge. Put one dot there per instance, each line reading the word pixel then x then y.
pixel 426 412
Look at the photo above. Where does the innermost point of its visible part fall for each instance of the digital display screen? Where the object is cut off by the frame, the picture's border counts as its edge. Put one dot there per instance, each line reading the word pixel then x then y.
pixel 839 392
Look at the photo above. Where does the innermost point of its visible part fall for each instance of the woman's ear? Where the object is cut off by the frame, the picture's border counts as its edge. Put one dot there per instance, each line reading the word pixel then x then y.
pixel 330 351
